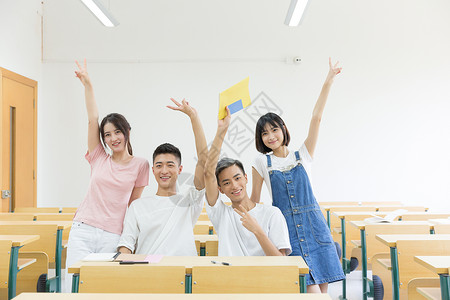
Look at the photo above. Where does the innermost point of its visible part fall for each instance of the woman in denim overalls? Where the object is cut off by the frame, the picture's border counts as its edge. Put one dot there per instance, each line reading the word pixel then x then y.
pixel 285 175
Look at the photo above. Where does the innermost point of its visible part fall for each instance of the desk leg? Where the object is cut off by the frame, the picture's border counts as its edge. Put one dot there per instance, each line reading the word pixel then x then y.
pixel 211 231
pixel 188 286
pixel 395 274
pixel 75 283
pixel 344 260
pixel 364 263
pixel 302 280
pixel 445 286
pixel 328 220
pixel 202 251
pixel 14 257
pixel 58 255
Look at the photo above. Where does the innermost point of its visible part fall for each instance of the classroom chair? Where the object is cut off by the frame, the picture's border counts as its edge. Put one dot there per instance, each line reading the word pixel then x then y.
pixel 408 269
pixel 36 210
pixel 45 245
pixel 245 279
pixel 117 278
pixel 5 248
pixel 415 284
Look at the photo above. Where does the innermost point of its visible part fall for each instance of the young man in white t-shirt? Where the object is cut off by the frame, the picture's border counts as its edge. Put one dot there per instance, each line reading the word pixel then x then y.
pixel 163 223
pixel 245 228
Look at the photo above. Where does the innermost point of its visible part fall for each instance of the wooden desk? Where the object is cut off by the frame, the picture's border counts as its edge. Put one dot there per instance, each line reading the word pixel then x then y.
pixel 49 296
pixel 201 239
pixel 392 240
pixel 343 217
pixel 190 261
pixel 362 225
pixel 439 221
pixel 18 241
pixel 60 225
pixel 206 223
pixel 439 265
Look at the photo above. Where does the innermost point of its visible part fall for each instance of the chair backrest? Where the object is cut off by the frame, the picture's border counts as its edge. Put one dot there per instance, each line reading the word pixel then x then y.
pixel 212 248
pixel 36 209
pixel 46 242
pixel 201 229
pixel 28 277
pixel 352 232
pixel 5 250
pixel 374 246
pixel 54 217
pixel 423 216
pixel 442 229
pixel 132 279
pixel 420 283
pixel 407 250
pixel 69 210
pixel 16 216
pixel 245 279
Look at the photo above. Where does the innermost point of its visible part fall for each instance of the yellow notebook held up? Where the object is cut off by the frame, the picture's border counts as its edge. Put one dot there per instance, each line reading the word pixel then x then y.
pixel 236 98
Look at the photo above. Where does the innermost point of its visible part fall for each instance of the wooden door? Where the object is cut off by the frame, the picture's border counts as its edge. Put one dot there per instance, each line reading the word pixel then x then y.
pixel 18 116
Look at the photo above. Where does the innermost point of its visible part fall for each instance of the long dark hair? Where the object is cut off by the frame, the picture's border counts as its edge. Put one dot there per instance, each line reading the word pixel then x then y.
pixel 274 120
pixel 120 123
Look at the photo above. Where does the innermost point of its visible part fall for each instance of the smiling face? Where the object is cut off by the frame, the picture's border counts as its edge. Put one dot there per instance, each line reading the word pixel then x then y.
pixel 166 168
pixel 272 136
pixel 233 183
pixel 114 138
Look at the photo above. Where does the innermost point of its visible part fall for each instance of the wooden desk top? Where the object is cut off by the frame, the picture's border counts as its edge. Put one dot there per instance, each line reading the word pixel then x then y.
pixel 439 221
pixel 190 261
pixel 209 223
pixel 350 207
pixel 391 239
pixel 19 240
pixel 343 214
pixel 437 264
pixel 203 238
pixel 361 225
pixel 83 296
pixel 60 224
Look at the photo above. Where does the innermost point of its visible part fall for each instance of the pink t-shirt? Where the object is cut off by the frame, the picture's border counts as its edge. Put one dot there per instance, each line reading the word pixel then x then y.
pixel 110 189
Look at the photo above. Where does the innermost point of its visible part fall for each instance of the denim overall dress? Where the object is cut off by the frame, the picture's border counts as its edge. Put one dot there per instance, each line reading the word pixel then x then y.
pixel 308 232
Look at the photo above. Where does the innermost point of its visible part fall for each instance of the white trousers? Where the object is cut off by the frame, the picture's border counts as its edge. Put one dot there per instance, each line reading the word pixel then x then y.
pixel 84 240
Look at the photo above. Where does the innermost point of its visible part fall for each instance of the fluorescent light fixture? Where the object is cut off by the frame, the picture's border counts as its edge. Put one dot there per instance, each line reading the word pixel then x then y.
pixel 102 14
pixel 295 12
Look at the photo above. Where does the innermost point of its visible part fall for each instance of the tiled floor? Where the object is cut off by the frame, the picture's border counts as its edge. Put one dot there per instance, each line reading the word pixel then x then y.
pixel 354 287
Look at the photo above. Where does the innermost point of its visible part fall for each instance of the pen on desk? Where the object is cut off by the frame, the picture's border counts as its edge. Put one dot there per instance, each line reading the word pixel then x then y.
pixel 116 255
pixel 126 262
pixel 221 262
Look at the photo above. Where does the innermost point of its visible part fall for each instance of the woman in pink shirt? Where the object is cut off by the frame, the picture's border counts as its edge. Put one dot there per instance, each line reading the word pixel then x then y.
pixel 116 180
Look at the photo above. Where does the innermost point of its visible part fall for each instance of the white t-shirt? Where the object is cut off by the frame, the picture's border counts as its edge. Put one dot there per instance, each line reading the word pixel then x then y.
pixel 236 240
pixel 282 164
pixel 163 225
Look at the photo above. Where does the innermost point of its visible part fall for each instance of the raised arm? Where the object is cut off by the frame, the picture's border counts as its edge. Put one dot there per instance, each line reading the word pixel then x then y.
pixel 212 191
pixel 257 182
pixel 249 222
pixel 313 133
pixel 200 140
pixel 91 106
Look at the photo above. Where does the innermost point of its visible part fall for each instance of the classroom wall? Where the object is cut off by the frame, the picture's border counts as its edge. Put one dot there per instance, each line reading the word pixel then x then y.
pixel 20 33
pixel 384 134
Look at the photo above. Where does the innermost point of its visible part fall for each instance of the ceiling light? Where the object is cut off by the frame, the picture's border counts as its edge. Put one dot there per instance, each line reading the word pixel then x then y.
pixel 295 12
pixel 102 14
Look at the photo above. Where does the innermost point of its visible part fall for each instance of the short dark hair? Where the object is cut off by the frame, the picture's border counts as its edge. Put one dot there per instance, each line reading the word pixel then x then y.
pixel 274 120
pixel 120 123
pixel 226 163
pixel 167 148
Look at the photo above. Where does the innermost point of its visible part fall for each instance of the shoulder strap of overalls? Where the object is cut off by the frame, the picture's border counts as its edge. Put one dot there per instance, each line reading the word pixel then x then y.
pixel 297 156
pixel 269 161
